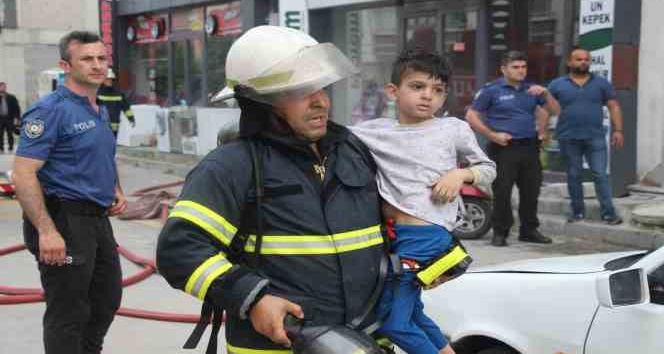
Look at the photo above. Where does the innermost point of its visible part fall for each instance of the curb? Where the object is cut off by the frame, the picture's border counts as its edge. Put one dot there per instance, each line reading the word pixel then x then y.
pixel 177 169
pixel 622 235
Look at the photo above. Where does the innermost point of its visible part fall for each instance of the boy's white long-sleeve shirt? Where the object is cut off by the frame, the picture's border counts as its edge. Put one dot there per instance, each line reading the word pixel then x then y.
pixel 411 158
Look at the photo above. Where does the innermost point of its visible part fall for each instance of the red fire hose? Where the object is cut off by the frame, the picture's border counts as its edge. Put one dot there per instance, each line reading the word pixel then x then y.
pixel 15 295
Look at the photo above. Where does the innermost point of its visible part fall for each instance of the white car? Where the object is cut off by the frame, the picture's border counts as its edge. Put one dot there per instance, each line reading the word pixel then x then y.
pixel 592 304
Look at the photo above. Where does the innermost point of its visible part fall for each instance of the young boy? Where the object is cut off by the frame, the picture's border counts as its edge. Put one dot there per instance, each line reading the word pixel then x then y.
pixel 419 182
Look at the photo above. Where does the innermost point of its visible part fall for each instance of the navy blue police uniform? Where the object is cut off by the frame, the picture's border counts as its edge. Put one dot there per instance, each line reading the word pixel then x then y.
pixel 511 110
pixel 78 179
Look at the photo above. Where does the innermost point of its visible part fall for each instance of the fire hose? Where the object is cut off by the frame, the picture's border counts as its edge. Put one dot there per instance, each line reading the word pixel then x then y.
pixel 15 295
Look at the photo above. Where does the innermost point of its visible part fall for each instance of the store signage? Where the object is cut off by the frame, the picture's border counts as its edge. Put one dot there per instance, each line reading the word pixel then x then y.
pixel 188 20
pixel 294 14
pixel 147 29
pixel 224 20
pixel 106 26
pixel 596 34
pixel 499 18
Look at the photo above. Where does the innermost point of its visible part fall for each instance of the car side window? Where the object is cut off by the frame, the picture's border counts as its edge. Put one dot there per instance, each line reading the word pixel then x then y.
pixel 656 286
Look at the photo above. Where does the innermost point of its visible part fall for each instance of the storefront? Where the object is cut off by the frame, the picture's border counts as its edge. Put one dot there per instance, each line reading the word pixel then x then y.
pixel 172 53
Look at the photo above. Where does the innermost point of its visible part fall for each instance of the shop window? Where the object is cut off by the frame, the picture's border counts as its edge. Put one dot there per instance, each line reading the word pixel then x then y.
pixel 188 76
pixel 371 38
pixel 148 67
pixel 223 26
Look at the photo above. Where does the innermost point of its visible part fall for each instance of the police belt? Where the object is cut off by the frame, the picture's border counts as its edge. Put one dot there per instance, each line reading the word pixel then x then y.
pixel 76 207
pixel 523 142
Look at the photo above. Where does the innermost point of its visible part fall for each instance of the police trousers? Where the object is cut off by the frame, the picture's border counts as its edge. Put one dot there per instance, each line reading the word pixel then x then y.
pixel 83 295
pixel 517 163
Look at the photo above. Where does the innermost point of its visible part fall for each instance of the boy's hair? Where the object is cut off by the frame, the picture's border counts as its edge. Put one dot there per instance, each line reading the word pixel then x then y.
pixel 83 37
pixel 512 55
pixel 420 60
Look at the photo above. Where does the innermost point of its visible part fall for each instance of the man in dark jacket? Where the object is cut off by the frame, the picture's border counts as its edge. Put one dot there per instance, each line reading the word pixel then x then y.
pixel 10 115
pixel 115 102
pixel 319 254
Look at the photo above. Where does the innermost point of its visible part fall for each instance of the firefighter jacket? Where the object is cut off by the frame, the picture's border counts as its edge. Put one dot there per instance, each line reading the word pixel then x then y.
pixel 321 246
pixel 116 103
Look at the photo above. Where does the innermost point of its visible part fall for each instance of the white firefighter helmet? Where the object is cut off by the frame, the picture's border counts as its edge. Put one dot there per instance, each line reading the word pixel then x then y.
pixel 110 74
pixel 276 61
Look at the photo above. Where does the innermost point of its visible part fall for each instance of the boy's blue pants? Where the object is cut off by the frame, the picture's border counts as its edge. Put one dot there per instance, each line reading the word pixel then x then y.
pixel 404 321
pixel 406 325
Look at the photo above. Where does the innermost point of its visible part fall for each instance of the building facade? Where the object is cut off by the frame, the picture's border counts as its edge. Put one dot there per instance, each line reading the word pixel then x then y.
pixel 29 34
pixel 172 52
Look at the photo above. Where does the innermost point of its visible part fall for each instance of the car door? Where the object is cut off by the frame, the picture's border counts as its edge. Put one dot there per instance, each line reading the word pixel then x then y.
pixel 634 328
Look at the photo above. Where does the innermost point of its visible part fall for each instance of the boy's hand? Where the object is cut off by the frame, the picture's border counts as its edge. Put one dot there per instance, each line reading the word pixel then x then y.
pixel 447 187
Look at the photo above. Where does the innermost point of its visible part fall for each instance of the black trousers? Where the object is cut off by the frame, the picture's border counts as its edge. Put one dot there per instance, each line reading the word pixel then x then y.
pixel 6 125
pixel 517 163
pixel 83 296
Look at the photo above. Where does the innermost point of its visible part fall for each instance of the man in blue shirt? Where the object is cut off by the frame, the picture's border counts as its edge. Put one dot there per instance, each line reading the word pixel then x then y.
pixel 67 185
pixel 581 133
pixel 510 106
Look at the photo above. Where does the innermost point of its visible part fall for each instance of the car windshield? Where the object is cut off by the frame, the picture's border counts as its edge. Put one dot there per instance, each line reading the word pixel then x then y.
pixel 624 262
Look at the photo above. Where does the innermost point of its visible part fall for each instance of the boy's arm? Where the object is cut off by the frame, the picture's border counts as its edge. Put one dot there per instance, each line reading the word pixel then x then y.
pixel 469 151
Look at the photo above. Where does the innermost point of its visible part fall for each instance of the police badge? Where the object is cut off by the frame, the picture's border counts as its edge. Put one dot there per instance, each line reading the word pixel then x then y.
pixel 34 128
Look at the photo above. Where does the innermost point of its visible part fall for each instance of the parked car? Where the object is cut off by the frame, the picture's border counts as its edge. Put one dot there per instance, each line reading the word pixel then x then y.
pixel 591 304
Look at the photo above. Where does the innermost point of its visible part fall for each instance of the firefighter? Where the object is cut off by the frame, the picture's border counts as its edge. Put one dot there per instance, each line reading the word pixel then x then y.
pixel 115 102
pixel 320 251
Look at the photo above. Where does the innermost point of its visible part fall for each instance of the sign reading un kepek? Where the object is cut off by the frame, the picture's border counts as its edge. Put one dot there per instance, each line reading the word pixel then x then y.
pixel 596 34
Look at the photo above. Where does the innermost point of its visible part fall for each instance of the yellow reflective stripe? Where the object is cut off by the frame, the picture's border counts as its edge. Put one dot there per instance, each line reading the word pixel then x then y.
pixel 264 81
pixel 110 98
pixel 317 244
pixel 206 219
pixel 114 125
pixel 199 281
pixel 128 113
pixel 436 269
pixel 237 350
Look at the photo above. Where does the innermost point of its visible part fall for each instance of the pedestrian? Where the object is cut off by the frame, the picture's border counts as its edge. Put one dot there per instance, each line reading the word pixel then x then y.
pixel 319 245
pixel 581 133
pixel 419 180
pixel 10 115
pixel 67 185
pixel 510 106
pixel 115 102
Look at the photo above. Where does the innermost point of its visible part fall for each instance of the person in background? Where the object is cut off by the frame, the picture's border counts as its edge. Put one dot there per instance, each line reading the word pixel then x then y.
pixel 115 102
pixel 581 133
pixel 10 116
pixel 511 105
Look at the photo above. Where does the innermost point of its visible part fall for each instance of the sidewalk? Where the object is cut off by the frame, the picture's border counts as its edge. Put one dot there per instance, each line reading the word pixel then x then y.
pixel 642 210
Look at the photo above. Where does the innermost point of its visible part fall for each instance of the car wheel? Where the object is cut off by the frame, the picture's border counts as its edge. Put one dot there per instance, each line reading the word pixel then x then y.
pixel 498 350
pixel 477 220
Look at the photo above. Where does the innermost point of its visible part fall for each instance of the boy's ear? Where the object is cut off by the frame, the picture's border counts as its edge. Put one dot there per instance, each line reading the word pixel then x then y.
pixel 392 91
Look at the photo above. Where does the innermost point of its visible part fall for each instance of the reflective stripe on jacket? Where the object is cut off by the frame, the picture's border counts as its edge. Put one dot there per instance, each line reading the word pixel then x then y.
pixel 116 103
pixel 321 246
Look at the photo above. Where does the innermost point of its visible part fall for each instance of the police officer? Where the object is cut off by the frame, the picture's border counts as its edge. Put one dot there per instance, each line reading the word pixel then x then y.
pixel 66 182
pixel 319 255
pixel 115 102
pixel 510 106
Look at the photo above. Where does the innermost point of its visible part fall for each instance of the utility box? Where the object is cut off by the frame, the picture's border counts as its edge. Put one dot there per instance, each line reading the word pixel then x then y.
pixel 182 126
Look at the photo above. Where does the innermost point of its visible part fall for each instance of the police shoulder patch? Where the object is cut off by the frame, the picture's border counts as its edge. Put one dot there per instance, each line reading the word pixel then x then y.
pixel 34 128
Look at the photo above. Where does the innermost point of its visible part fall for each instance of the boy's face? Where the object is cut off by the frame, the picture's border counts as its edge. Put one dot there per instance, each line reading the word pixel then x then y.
pixel 418 96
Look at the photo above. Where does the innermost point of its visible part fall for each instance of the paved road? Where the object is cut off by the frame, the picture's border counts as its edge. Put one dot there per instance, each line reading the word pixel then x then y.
pixel 20 325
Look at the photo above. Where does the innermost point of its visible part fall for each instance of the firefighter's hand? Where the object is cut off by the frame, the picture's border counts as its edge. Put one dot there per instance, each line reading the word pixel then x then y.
pixel 52 250
pixel 447 187
pixel 500 138
pixel 119 204
pixel 267 317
